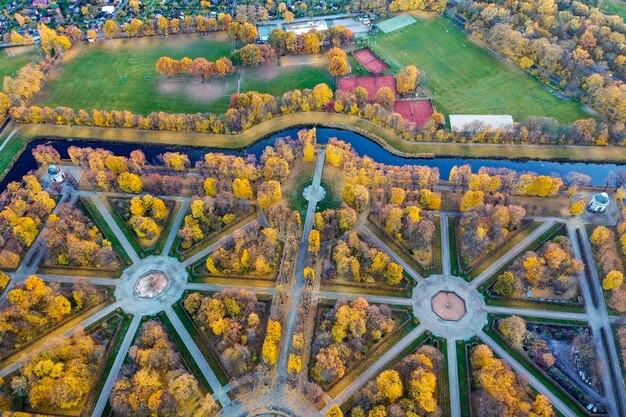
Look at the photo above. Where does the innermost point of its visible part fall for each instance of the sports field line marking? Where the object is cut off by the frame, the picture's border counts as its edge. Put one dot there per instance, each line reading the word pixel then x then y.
pixel 8 138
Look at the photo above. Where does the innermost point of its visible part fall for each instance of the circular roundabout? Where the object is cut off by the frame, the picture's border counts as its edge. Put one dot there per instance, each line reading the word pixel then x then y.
pixel 449 307
pixel 150 285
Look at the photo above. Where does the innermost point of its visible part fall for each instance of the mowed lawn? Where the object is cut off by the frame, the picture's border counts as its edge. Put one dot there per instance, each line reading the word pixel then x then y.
pixel 88 77
pixel 614 7
pixel 470 79
pixel 9 65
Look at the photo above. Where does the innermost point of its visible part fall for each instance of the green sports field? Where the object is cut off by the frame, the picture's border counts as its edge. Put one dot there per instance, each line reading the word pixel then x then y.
pixel 88 77
pixel 470 79
pixel 613 7
pixel 9 65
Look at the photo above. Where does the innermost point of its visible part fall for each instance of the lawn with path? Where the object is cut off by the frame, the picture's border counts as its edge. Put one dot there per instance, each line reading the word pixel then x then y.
pixel 467 78
pixel 99 67
pixel 9 65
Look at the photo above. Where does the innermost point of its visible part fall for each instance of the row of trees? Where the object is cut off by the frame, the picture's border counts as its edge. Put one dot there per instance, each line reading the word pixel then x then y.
pixel 311 42
pixel 358 261
pixel 253 251
pixel 34 306
pixel 610 264
pixel 408 389
pixel 71 239
pixel 199 67
pixel 233 321
pixel 346 333
pixel 500 392
pixel 491 180
pixel 155 379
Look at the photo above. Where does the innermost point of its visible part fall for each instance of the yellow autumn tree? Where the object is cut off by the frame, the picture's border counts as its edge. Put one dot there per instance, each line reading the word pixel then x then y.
pixel 334 411
pixel 471 198
pixel 577 208
pixel 390 385
pixel 269 351
pixel 130 183
pixel 294 366
pixel 314 242
pixel 242 188
pixel 613 280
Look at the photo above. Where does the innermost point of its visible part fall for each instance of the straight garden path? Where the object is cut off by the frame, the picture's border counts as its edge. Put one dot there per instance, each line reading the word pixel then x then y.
pixel 218 390
pixel 204 252
pixel 397 258
pixel 445 245
pixel 524 372
pixel 608 357
pixel 128 248
pixel 547 314
pixel 301 261
pixel 453 379
pixel 516 250
pixel 175 227
pixel 376 367
pixel 103 399
pixel 376 299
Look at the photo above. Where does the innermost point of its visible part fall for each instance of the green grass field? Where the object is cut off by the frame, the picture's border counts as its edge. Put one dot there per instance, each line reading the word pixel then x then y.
pixel 613 7
pixel 9 65
pixel 88 77
pixel 467 78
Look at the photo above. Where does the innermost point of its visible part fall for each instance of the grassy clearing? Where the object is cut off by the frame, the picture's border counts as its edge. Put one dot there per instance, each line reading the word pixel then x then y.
pixel 99 67
pixel 468 78
pixel 613 7
pixel 9 65
pixel 454 251
pixel 534 305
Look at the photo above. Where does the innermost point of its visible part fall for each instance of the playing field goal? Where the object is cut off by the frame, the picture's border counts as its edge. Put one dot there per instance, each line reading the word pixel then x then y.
pixel 395 23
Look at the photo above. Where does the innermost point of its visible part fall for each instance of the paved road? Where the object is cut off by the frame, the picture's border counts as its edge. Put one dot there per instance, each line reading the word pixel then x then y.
pixel 19 359
pixel 370 372
pixel 117 365
pixel 549 314
pixel 199 286
pixel 175 227
pixel 4 143
pixel 397 259
pixel 599 319
pixel 218 390
pixel 108 218
pixel 317 180
pixel 204 252
pixel 453 380
pixel 445 245
pixel 299 281
pixel 377 299
pixel 495 267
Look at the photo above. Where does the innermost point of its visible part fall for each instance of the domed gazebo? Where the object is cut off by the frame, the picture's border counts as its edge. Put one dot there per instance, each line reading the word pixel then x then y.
pixel 599 202
pixel 55 173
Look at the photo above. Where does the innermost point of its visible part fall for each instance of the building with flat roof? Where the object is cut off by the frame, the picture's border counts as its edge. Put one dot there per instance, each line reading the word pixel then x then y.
pixel 305 27
pixel 476 122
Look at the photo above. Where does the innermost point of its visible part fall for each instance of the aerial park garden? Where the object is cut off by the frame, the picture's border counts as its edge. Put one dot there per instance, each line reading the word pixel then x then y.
pixel 201 217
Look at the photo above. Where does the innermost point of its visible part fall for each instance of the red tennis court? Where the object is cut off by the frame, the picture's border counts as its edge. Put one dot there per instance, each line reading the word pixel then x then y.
pixel 418 111
pixel 370 61
pixel 371 84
